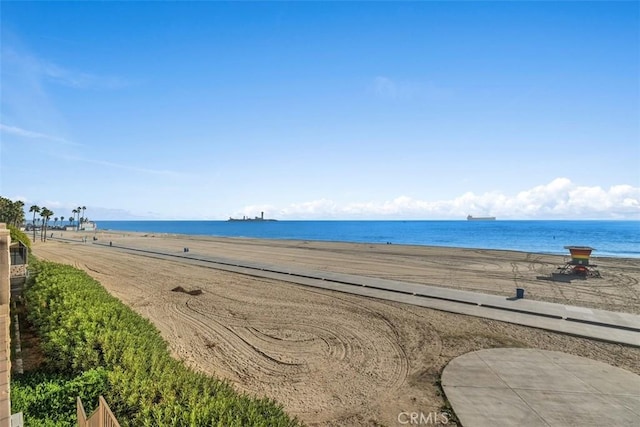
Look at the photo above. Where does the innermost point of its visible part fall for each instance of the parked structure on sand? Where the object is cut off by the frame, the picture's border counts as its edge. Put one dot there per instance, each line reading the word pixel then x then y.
pixel 579 264
pixel 88 226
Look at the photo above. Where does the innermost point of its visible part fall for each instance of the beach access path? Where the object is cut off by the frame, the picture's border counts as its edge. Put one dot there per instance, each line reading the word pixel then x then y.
pixel 537 388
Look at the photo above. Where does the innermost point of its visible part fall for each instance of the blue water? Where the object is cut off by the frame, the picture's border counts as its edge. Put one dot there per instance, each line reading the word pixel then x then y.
pixel 610 238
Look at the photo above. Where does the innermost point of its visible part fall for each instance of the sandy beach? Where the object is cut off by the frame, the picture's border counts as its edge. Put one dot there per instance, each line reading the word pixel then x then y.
pixel 335 359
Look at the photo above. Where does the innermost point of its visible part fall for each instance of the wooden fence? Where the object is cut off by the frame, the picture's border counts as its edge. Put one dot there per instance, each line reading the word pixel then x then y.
pixel 102 417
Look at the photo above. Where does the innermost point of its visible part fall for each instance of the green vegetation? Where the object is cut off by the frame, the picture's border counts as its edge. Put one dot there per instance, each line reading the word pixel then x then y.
pixel 11 213
pixel 89 337
pixel 81 219
pixel 45 214
pixel 49 399
pixel 35 209
pixel 17 235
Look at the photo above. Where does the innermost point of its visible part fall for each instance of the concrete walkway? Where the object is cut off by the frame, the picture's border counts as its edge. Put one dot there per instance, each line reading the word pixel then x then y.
pixel 528 387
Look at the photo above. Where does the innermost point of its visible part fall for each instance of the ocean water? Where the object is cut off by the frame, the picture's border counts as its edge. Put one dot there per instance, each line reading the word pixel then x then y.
pixel 609 238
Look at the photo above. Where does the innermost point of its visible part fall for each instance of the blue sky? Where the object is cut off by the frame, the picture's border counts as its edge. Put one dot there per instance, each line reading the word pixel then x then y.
pixel 322 110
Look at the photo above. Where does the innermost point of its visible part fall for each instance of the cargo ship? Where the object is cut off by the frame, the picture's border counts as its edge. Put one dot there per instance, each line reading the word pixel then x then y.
pixel 480 218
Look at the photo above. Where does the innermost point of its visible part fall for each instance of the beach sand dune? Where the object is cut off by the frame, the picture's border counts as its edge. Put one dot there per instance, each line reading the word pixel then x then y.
pixel 335 359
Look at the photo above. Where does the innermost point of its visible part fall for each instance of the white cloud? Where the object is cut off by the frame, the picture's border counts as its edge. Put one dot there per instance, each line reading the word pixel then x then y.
pixel 12 130
pixel 64 209
pixel 252 211
pixel 25 100
pixel 385 87
pixel 164 172
pixel 16 131
pixel 78 79
pixel 559 199
pixel 39 69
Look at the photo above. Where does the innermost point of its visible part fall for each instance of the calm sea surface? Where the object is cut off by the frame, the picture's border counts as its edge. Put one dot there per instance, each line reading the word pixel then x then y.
pixel 610 238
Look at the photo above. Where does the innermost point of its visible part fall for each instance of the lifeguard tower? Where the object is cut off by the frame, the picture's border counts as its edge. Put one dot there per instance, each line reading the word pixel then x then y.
pixel 579 264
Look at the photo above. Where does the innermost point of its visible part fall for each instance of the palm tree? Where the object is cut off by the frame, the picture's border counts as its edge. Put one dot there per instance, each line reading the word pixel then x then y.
pixel 84 218
pixel 43 212
pixel 55 221
pixel 74 212
pixel 71 219
pixel 61 221
pixel 47 214
pixel 11 212
pixel 35 209
pixel 78 209
pixel 18 213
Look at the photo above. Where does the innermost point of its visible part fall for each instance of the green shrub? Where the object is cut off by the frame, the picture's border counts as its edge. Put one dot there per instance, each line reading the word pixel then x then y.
pixel 49 399
pixel 83 328
pixel 16 234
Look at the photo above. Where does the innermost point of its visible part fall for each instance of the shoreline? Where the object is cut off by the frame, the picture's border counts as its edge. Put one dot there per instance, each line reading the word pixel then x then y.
pixel 492 271
pixel 560 253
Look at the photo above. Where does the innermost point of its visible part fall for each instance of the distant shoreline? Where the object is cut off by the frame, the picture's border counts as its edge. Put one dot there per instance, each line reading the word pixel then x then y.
pixel 610 238
pixel 201 237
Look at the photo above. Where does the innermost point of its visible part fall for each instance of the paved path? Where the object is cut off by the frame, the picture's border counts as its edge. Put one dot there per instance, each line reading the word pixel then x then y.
pixel 527 387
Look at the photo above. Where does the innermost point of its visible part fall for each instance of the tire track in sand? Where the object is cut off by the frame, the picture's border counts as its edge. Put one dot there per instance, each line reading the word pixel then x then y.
pixel 343 361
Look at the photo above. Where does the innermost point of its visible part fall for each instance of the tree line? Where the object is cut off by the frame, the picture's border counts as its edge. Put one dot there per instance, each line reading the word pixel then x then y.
pixel 13 214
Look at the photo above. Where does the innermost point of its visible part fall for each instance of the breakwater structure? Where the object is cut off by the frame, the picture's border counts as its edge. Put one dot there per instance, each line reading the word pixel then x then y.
pixel 257 218
pixel 480 218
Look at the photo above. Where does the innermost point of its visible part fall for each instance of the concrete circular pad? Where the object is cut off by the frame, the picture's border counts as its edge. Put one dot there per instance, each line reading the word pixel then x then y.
pixel 529 387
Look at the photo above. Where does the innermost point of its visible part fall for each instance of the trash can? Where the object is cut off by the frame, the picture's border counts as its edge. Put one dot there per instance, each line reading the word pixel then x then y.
pixel 519 293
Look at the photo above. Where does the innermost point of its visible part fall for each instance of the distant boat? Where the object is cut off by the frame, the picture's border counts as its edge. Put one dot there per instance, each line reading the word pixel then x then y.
pixel 258 218
pixel 481 218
